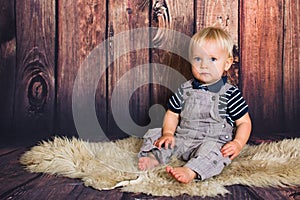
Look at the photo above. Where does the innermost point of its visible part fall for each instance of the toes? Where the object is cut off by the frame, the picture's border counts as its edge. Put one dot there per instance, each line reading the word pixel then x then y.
pixel 180 174
pixel 169 169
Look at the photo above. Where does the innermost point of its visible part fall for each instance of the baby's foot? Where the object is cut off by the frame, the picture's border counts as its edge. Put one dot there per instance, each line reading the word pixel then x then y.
pixel 182 174
pixel 147 162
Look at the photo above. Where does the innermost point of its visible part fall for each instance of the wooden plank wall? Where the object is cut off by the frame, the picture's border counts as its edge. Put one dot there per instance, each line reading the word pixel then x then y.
pixel 291 66
pixel 82 26
pixel 35 67
pixel 7 64
pixel 269 35
pixel 179 18
pixel 129 15
pixel 41 59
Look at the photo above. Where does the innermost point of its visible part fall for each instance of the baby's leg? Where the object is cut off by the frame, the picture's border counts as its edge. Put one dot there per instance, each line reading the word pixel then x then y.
pixel 182 174
pixel 148 162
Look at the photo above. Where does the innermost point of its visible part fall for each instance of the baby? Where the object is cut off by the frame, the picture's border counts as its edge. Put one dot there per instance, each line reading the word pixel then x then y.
pixel 207 122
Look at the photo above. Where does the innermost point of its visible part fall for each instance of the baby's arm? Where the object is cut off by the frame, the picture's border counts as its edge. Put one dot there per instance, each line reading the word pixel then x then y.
pixel 170 123
pixel 243 130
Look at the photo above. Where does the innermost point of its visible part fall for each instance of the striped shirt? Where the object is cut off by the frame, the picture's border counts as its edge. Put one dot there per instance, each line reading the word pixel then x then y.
pixel 232 105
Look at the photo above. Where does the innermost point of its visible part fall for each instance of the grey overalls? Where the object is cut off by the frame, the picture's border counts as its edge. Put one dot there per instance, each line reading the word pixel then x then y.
pixel 200 135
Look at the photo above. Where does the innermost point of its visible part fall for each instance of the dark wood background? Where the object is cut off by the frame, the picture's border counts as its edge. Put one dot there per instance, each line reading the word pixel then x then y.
pixel 43 43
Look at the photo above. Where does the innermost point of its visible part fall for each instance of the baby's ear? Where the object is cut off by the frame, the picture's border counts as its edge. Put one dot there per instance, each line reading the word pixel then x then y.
pixel 228 63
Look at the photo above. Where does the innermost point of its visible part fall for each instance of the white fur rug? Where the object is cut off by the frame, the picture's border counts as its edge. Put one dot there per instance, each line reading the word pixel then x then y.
pixel 107 165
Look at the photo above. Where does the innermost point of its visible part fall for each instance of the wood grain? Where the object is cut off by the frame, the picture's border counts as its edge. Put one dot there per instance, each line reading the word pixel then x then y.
pixel 222 13
pixel 261 63
pixel 35 90
pixel 7 18
pixel 7 66
pixel 291 66
pixel 82 26
pixel 178 16
pixel 123 16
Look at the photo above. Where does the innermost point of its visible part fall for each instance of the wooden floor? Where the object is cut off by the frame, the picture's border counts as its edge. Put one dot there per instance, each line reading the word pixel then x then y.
pixel 16 183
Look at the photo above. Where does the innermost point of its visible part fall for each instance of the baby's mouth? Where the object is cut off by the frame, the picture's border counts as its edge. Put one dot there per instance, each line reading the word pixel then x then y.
pixel 204 73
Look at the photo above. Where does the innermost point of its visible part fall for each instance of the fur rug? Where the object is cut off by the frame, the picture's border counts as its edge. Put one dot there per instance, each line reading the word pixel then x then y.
pixel 107 165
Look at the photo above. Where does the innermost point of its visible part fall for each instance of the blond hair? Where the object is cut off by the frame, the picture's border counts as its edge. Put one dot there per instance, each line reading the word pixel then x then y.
pixel 214 34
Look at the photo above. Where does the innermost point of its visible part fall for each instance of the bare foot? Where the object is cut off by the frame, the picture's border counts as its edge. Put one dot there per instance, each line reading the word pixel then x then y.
pixel 147 162
pixel 182 174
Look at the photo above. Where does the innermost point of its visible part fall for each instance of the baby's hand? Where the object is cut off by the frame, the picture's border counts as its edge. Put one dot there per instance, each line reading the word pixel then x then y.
pixel 165 140
pixel 231 149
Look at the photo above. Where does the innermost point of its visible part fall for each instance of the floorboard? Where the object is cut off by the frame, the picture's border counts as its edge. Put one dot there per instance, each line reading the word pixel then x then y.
pixel 8 150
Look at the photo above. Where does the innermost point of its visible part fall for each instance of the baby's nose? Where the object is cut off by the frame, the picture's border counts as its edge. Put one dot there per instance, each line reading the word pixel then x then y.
pixel 203 66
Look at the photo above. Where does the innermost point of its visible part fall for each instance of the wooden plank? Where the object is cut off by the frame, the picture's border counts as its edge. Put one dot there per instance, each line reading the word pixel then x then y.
pixel 12 174
pixel 53 187
pixel 261 63
pixel 223 13
pixel 90 193
pixel 267 193
pixel 236 192
pixel 7 17
pixel 178 16
pixel 291 66
pixel 123 16
pixel 82 26
pixel 7 66
pixel 34 99
pixel 10 158
pixel 4 150
pixel 44 187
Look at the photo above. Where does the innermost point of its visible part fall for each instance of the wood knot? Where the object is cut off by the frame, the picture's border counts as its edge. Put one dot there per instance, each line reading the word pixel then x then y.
pixel 160 8
pixel 37 94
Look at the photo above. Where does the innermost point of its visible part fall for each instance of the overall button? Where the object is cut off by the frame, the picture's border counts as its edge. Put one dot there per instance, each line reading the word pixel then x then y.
pixel 226 136
pixel 213 98
pixel 224 125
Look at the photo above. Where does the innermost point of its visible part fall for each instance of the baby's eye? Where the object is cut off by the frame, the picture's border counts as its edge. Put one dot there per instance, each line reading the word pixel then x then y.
pixel 197 59
pixel 213 59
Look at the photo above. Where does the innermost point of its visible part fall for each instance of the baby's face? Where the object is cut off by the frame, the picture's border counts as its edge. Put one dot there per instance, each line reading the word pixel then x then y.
pixel 209 61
